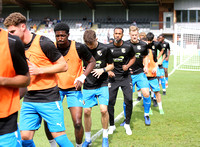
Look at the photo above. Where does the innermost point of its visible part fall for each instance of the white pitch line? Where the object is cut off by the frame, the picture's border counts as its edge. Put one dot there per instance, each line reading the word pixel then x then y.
pixel 94 137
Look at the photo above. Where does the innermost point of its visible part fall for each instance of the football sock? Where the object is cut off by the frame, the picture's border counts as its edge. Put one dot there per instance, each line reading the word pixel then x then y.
pixel 152 94
pixel 105 133
pixel 53 143
pixel 78 145
pixel 166 78
pixel 147 104
pixel 163 83
pixel 63 141
pixel 139 94
pixel 160 105
pixel 88 136
pixel 124 106
pixel 28 143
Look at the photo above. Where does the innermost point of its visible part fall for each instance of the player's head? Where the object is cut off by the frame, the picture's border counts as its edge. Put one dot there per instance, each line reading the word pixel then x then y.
pixel 161 38
pixel 16 24
pixel 62 33
pixel 118 34
pixel 134 33
pixel 90 39
pixel 142 35
pixel 150 37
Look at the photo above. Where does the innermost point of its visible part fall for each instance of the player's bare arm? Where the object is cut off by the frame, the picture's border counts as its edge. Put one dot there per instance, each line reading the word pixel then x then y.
pixel 59 66
pixel 15 82
pixel 131 62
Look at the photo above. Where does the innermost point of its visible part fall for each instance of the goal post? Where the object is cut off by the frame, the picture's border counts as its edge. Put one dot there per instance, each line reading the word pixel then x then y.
pixel 187 50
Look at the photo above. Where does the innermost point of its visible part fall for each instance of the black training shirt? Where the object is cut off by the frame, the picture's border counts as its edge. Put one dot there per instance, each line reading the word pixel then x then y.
pixel 103 57
pixel 121 56
pixel 141 50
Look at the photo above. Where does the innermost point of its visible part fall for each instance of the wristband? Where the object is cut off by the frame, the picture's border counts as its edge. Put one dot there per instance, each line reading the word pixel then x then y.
pixel 104 69
pixel 81 79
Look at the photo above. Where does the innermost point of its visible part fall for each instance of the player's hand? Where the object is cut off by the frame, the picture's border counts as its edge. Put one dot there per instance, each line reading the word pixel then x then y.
pixel 154 70
pixel 97 72
pixel 79 81
pixel 83 68
pixel 111 74
pixel 124 67
pixel 160 63
pixel 145 70
pixel 167 58
pixel 33 69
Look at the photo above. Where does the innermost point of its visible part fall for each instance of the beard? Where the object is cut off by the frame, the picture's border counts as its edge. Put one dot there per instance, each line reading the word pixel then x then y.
pixel 117 41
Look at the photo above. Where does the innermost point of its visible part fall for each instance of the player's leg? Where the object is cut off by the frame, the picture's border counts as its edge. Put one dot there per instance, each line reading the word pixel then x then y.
pixel 165 66
pixel 113 89
pixel 52 141
pixel 134 80
pixel 52 113
pixel 155 87
pixel 103 97
pixel 30 121
pixel 143 83
pixel 9 132
pixel 127 89
pixel 75 104
pixel 47 132
pixel 89 99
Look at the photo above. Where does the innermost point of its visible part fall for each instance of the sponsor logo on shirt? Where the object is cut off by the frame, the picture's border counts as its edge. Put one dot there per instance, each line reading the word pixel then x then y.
pixel 137 55
pixel 139 47
pixel 119 59
pixel 123 50
pixel 98 63
pixel 99 53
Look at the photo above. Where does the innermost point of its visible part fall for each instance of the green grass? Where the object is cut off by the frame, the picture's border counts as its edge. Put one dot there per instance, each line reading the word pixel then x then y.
pixel 179 126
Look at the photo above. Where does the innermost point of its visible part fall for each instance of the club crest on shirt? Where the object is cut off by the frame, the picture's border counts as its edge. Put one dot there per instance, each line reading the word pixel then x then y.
pixel 99 53
pixel 123 50
pixel 112 50
pixel 164 45
pixel 153 47
pixel 139 47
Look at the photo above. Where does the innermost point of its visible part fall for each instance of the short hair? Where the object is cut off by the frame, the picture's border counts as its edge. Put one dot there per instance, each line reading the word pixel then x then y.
pixel 162 35
pixel 89 36
pixel 119 28
pixel 150 36
pixel 133 28
pixel 14 19
pixel 142 34
pixel 62 27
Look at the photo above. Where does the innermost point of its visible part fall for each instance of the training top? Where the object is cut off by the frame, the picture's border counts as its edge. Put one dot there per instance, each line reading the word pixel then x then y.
pixel 121 56
pixel 165 45
pixel 73 56
pixel 13 62
pixel 42 52
pixel 153 47
pixel 141 50
pixel 103 57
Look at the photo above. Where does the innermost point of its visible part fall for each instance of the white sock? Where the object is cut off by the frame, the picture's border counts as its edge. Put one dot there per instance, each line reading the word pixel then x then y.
pixel 160 105
pixel 152 94
pixel 146 114
pixel 164 90
pixel 105 133
pixel 88 136
pixel 53 143
pixel 78 145
pixel 139 94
